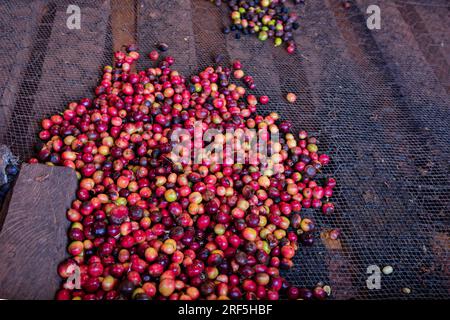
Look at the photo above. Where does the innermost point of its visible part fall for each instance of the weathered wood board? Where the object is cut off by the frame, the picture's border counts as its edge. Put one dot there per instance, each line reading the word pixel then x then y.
pixel 33 238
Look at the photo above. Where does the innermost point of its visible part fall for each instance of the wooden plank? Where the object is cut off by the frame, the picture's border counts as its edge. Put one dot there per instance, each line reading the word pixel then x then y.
pixel 33 239
pixel 123 23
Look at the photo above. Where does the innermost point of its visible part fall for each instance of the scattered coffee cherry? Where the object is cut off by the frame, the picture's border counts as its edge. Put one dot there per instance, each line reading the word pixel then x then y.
pixel 388 270
pixel 163 47
pixel 334 234
pixel 291 97
pixel 406 290
pixel 264 99
pixel 154 55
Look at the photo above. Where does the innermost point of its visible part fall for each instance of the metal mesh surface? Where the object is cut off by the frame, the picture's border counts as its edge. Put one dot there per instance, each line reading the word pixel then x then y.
pixel 377 100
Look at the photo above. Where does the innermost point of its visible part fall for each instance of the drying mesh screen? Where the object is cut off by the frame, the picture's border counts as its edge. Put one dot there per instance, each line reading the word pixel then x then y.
pixel 377 100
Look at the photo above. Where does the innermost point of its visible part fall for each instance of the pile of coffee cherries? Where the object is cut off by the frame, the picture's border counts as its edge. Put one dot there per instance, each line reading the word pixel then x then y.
pixel 268 19
pixel 146 227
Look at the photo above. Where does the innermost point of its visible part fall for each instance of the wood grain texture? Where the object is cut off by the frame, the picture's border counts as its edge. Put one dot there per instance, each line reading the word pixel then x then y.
pixel 4 209
pixel 33 239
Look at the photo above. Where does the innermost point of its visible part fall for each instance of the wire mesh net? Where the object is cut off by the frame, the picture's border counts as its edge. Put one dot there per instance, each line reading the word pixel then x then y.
pixel 377 100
